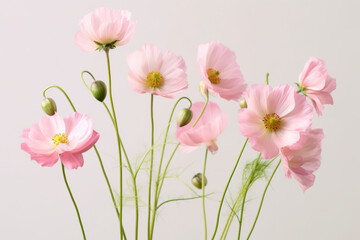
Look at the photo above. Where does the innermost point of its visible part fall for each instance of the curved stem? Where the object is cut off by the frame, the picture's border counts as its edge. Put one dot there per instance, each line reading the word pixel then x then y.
pixel 262 199
pixel 118 143
pixel 267 78
pixel 157 191
pixel 151 162
pixel 82 78
pixel 67 97
pixel 203 193
pixel 227 186
pixel 203 110
pixel 73 200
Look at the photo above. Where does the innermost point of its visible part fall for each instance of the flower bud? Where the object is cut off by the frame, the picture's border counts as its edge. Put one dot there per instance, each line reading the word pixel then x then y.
pixel 197 180
pixel 243 103
pixel 184 117
pixel 49 106
pixel 98 89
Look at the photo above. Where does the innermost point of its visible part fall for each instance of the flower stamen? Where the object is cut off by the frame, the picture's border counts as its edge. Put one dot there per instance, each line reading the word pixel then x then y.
pixel 60 138
pixel 272 122
pixel 154 79
pixel 213 76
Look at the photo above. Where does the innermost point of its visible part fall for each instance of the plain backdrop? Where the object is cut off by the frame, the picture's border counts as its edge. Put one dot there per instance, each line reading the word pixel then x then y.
pixel 37 50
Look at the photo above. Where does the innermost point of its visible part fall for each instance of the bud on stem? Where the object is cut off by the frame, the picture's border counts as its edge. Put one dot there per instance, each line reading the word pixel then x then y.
pixel 48 105
pixel 197 180
pixel 98 89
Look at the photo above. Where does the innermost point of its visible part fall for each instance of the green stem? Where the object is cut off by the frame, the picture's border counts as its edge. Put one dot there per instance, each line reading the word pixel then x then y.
pixel 118 143
pixel 203 110
pixel 67 97
pixel 157 194
pixel 267 78
pixel 227 186
pixel 95 148
pixel 73 200
pixel 240 199
pixel 262 200
pixel 151 162
pixel 203 193
pixel 181 199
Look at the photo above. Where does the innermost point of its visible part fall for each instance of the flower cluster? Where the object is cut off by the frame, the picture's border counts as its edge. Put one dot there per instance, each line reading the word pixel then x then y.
pixel 275 120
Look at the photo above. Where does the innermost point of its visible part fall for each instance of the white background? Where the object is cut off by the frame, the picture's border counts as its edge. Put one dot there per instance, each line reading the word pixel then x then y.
pixel 37 50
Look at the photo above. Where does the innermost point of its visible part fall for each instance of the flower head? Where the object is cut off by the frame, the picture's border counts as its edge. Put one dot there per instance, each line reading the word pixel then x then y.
pixel 207 129
pixel 219 71
pixel 303 158
pixel 53 137
pixel 104 28
pixel 274 118
pixel 316 83
pixel 156 73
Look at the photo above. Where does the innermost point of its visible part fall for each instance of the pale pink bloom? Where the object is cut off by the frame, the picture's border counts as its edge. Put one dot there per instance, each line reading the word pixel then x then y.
pixel 219 71
pixel 156 73
pixel 208 128
pixel 53 137
pixel 274 118
pixel 303 158
pixel 104 28
pixel 316 83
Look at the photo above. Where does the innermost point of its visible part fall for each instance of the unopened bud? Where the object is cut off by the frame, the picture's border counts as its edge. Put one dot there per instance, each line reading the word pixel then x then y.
pixel 243 103
pixel 197 180
pixel 49 106
pixel 184 117
pixel 98 89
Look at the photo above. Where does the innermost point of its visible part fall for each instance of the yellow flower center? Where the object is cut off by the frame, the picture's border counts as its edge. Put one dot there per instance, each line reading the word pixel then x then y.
pixel 272 122
pixel 60 138
pixel 213 76
pixel 154 79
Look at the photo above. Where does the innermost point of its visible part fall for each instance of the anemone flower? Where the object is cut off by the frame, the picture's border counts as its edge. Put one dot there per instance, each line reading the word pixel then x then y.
pixel 219 71
pixel 303 158
pixel 274 118
pixel 208 128
pixel 156 73
pixel 53 137
pixel 104 28
pixel 316 84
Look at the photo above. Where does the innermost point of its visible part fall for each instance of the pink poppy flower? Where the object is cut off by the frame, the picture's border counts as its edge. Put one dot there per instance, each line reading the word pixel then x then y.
pixel 303 158
pixel 274 118
pixel 104 28
pixel 219 71
pixel 53 137
pixel 156 73
pixel 209 127
pixel 316 84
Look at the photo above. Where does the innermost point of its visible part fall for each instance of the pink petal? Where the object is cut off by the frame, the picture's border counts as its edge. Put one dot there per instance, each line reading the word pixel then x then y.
pixel 72 161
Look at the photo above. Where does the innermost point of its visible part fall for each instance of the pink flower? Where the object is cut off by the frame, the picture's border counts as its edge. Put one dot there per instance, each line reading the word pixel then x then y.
pixel 209 127
pixel 156 73
pixel 303 158
pixel 316 83
pixel 104 28
pixel 53 137
pixel 219 71
pixel 274 118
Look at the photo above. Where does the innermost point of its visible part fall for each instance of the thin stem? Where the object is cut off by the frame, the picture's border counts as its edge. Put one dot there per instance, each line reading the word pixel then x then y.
pixel 267 78
pixel 262 200
pixel 151 162
pixel 203 193
pixel 181 199
pixel 73 200
pixel 157 194
pixel 227 186
pixel 118 143
pixel 67 97
pixel 203 110
pixel 241 199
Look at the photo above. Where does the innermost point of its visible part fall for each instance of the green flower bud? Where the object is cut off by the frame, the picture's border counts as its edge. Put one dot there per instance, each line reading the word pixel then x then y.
pixel 49 106
pixel 98 89
pixel 184 117
pixel 243 103
pixel 197 180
